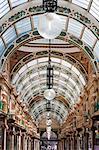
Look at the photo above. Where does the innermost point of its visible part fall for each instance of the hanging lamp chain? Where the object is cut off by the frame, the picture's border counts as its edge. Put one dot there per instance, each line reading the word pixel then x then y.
pixel 49 61
pixel 49 69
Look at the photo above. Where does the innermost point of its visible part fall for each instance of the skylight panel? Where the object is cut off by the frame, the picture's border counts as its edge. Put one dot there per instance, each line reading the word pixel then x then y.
pixel 62 91
pixel 96 50
pixel 56 60
pixel 34 75
pixel 36 89
pixel 17 2
pixel 75 70
pixel 74 27
pixel 61 81
pixel 2 47
pixel 78 89
pixel 94 10
pixel 15 78
pixel 67 64
pixel 63 75
pixel 36 19
pixel 81 3
pixel 69 97
pixel 22 69
pixel 32 63
pixel 19 87
pixel 73 82
pixel 4 7
pixel 27 96
pixel 26 80
pixel 69 86
pixel 56 72
pixel 42 72
pixel 64 20
pixel 82 79
pixel 9 35
pixel 23 26
pixel 44 59
pixel 88 37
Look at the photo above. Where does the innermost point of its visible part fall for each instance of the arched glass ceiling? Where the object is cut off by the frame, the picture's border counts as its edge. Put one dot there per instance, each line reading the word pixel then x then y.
pixel 72 26
pixel 58 109
pixel 30 80
pixel 90 5
pixel 84 3
pixel 53 116
pixel 96 50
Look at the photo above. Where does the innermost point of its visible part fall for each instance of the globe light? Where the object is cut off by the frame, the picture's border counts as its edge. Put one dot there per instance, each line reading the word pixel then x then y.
pixel 50 25
pixel 49 94
pixel 48 122
pixel 48 132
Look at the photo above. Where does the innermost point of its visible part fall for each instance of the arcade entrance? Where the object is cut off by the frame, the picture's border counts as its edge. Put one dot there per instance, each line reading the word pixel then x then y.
pixel 51 144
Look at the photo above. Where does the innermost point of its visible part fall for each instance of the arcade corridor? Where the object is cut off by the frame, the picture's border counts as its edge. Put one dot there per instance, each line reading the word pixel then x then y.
pixel 49 74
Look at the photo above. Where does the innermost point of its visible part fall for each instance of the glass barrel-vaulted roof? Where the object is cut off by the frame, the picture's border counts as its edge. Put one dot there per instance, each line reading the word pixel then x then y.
pixel 58 110
pixel 72 26
pixel 91 5
pixel 30 80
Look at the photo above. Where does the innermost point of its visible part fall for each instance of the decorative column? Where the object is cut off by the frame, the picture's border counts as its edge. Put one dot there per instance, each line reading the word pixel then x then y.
pixel 3 133
pixel 86 138
pixel 67 143
pixel 96 135
pixel 32 144
pixel 29 147
pixel 19 140
pixel 93 138
pixel 12 131
pixel 90 140
pixel 25 142
pixel 62 144
pixel 36 144
pixel 78 141
pixel 5 137
pixel 1 137
pixel 73 141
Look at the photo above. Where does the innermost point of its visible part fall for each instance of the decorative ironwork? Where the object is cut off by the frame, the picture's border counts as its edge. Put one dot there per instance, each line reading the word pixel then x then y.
pixel 48 106
pixel 49 93
pixel 50 5
pixel 49 70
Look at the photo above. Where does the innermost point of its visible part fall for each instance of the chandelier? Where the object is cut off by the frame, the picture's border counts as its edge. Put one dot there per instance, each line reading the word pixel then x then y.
pixel 49 93
pixel 50 24
pixel 48 127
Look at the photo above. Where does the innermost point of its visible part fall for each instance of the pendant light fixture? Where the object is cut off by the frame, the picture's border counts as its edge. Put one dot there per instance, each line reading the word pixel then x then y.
pixel 49 93
pixel 50 24
pixel 48 126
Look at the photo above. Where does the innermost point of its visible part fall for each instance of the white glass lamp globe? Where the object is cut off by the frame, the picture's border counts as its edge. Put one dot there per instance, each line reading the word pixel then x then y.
pixel 49 122
pixel 49 94
pixel 50 25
